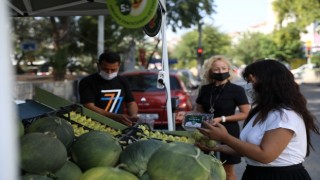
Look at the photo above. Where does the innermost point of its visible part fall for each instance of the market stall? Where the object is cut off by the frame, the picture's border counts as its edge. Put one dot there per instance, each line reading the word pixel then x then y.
pixel 48 114
pixel 56 134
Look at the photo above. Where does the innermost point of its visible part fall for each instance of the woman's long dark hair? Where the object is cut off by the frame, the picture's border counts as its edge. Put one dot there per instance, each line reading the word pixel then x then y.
pixel 275 88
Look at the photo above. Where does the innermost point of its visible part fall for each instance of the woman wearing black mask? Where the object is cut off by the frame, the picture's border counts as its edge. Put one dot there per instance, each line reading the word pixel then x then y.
pixel 220 97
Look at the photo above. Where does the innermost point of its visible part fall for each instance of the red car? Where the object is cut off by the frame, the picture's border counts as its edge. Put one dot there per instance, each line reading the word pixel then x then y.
pixel 152 100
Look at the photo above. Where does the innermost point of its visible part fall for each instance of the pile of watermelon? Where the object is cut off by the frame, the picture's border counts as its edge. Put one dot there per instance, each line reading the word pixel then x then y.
pixel 49 149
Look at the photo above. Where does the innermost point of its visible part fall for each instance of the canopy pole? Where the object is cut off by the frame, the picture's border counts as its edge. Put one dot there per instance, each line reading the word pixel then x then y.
pixel 9 124
pixel 100 35
pixel 165 66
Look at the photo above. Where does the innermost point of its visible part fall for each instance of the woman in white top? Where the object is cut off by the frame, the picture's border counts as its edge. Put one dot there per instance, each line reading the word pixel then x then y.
pixel 275 138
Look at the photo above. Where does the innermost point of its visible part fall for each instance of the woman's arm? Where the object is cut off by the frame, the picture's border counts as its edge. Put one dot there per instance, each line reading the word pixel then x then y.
pixel 226 149
pixel 218 148
pixel 242 115
pixel 272 144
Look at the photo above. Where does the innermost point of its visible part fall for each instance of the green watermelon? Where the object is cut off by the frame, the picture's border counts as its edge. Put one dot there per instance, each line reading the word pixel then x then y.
pixel 56 125
pixel 107 173
pixel 69 171
pixel 95 148
pixel 35 177
pixel 176 161
pixel 41 153
pixel 217 169
pixel 135 156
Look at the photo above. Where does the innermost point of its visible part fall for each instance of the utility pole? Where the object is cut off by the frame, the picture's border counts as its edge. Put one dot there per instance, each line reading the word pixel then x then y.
pixel 199 49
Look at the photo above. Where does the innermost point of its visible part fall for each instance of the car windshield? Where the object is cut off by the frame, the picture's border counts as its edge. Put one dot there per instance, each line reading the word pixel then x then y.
pixel 148 83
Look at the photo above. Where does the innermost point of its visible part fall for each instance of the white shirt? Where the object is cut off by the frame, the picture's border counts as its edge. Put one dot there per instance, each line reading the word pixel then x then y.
pixel 296 150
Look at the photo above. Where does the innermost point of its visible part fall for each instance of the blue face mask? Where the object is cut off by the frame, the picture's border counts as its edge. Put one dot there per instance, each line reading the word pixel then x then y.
pixel 250 92
pixel 107 76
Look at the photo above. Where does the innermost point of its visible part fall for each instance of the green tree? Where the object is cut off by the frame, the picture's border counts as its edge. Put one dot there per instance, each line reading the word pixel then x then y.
pixel 302 13
pixel 288 43
pixel 117 38
pixel 316 58
pixel 180 14
pixel 185 51
pixel 252 46
pixel 51 34
pixel 186 13
pixel 213 43
pixel 64 44
pixel 283 44
pixel 29 29
pixel 79 34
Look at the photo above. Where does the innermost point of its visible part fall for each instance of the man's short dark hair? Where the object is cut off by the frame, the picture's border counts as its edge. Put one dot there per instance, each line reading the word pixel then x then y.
pixel 109 57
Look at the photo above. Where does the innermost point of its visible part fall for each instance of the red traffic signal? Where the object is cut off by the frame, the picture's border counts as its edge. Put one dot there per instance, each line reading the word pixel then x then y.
pixel 199 51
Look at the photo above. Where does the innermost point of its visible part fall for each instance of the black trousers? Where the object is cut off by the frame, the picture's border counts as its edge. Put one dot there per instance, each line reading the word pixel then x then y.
pixel 294 172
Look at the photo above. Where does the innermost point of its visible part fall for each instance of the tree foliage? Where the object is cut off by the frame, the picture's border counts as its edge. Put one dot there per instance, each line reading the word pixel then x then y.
pixel 180 14
pixel 288 43
pixel 64 44
pixel 252 46
pixel 186 13
pixel 29 29
pixel 213 43
pixel 301 12
pixel 283 44
pixel 79 34
pixel 116 37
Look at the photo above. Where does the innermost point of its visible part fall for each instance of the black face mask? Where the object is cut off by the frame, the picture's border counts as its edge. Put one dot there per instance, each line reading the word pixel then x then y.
pixel 220 76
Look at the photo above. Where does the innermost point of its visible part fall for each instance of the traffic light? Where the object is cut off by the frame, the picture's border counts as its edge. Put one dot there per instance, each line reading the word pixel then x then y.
pixel 199 51
pixel 308 51
pixel 308 48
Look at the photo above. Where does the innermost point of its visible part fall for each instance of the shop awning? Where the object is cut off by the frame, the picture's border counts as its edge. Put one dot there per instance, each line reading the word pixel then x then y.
pixel 37 8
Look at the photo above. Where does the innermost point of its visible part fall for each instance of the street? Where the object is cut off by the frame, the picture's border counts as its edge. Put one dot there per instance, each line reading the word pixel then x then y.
pixel 312 94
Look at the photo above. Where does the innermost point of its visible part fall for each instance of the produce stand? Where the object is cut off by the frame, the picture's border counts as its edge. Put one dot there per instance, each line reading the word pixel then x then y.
pixel 127 142
pixel 55 102
pixel 31 110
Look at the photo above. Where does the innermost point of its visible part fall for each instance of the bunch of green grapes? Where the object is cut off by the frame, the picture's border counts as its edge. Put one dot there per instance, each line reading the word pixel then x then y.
pixel 92 124
pixel 79 130
pixel 147 133
pixel 203 140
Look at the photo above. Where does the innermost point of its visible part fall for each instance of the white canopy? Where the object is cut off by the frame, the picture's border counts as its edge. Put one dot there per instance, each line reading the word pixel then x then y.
pixel 36 8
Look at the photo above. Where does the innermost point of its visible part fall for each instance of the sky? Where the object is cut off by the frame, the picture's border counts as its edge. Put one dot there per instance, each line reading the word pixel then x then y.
pixel 235 15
